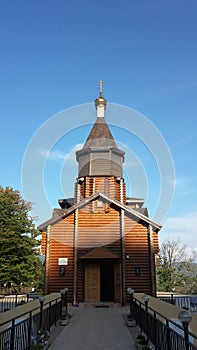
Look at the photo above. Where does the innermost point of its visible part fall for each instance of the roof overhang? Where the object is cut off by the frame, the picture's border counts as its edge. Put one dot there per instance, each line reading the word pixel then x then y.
pixel 99 253
pixel 134 214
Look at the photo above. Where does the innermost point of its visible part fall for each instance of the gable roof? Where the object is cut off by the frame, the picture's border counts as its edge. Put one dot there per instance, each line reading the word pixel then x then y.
pixel 135 214
pixel 99 253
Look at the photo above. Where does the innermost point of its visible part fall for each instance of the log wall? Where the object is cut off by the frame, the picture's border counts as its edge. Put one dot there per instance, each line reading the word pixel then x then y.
pixel 94 230
pixel 61 246
pixel 107 185
pixel 99 228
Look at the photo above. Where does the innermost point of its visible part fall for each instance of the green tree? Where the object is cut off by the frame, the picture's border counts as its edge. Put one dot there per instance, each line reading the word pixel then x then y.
pixel 18 260
pixel 176 268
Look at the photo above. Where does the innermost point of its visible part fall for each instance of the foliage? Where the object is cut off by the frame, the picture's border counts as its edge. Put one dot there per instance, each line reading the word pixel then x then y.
pixel 18 260
pixel 130 318
pixel 64 317
pixel 140 336
pixel 141 343
pixel 41 341
pixel 176 269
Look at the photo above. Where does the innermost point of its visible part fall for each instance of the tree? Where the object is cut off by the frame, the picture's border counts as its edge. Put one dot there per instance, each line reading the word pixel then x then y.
pixel 176 268
pixel 18 261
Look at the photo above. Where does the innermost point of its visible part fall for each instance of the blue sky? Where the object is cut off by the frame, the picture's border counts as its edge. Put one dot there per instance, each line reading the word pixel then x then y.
pixel 53 53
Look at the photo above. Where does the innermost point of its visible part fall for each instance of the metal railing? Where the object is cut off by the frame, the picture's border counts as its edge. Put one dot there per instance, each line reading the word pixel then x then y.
pixel 182 301
pixel 19 333
pixel 164 334
pixel 10 301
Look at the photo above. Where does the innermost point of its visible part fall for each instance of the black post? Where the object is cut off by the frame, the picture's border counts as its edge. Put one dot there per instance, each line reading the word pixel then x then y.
pixel 66 300
pixel 12 338
pixel 185 318
pixel 41 310
pixel 155 335
pixel 147 323
pixel 62 291
pixel 168 335
pixel 145 299
pixel 131 292
pixel 131 304
pixel 16 300
pixel 185 327
pixel 56 308
pixel 50 317
pixel 29 328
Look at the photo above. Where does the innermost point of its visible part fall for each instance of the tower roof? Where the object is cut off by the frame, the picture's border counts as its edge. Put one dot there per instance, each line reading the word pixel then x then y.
pixel 100 136
pixel 100 155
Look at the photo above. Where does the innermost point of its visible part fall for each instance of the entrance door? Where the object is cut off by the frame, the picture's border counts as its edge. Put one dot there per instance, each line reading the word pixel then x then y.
pixel 107 282
pixel 92 283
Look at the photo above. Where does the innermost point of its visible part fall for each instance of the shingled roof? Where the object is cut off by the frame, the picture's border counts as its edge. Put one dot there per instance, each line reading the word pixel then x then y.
pixel 100 136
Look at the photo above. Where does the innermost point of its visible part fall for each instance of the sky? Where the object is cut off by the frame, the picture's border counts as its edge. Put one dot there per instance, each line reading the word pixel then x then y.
pixel 53 53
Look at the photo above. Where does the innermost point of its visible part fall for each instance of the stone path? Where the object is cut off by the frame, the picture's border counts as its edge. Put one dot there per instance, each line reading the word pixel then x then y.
pixel 94 328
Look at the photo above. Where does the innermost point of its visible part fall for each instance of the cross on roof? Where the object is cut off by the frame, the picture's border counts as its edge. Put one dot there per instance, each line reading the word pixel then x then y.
pixel 101 86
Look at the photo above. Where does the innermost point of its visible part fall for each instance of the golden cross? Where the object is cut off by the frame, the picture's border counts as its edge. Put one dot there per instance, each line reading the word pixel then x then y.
pixel 101 86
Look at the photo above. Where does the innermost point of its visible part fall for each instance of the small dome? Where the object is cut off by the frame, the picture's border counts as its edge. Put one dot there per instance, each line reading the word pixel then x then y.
pixel 100 102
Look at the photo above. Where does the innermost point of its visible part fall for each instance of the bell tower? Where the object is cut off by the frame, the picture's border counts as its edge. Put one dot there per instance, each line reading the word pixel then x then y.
pixel 100 161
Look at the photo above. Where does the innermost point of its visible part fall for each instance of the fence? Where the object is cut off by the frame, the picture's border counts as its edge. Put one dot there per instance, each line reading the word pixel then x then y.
pixel 10 301
pixel 164 334
pixel 183 301
pixel 20 332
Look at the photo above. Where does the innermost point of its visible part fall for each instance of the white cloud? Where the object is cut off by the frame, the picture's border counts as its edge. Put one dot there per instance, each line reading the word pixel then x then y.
pixel 184 226
pixel 181 181
pixel 184 185
pixel 57 154
pixel 71 156
pixel 182 223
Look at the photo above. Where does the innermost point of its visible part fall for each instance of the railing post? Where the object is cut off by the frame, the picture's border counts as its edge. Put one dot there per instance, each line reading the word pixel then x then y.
pixel 12 338
pixel 185 318
pixel 16 299
pixel 66 300
pixel 145 300
pixel 41 309
pixel 131 292
pixel 62 292
pixel 155 336
pixel 50 317
pixel 56 309
pixel 29 328
pixel 168 335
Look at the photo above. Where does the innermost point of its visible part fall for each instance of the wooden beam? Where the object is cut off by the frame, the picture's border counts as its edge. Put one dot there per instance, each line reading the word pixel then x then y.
pixel 122 240
pixel 152 260
pixel 47 259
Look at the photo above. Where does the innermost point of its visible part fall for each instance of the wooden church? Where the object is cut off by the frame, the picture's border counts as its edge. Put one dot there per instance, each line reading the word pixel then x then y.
pixel 100 242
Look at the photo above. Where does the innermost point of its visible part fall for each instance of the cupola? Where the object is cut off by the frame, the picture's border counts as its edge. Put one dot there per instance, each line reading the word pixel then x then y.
pixel 100 155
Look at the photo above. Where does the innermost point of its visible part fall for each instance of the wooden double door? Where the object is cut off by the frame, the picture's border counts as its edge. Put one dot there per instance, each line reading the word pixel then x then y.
pixel 102 282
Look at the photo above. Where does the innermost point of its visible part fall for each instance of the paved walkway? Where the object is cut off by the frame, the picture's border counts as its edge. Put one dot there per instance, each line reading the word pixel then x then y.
pixel 95 328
